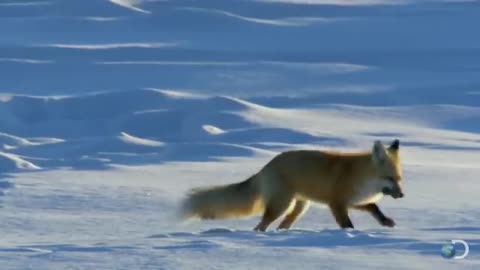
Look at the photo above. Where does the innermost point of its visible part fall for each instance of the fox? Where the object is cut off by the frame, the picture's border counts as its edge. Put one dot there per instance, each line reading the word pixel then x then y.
pixel 289 182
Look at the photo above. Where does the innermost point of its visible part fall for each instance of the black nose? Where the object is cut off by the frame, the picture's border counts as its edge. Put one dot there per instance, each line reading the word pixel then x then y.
pixel 400 195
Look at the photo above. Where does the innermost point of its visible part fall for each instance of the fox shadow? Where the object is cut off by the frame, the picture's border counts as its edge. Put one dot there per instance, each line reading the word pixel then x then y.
pixel 370 240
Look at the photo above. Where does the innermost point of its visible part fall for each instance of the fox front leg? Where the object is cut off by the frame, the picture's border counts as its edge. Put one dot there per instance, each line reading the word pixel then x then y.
pixel 375 211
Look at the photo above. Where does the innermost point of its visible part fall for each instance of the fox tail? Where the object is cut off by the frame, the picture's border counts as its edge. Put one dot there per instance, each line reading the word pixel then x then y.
pixel 222 202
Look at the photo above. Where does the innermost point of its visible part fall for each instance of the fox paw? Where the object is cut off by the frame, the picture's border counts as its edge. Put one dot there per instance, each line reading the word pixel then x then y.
pixel 388 222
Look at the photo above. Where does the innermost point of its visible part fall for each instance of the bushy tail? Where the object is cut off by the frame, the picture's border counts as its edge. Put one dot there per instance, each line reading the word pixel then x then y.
pixel 221 202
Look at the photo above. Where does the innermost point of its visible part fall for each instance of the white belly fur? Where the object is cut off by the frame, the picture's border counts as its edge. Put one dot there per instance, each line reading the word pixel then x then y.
pixel 370 192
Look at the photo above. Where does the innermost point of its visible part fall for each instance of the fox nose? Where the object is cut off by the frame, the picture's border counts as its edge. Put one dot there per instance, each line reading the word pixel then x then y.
pixel 400 195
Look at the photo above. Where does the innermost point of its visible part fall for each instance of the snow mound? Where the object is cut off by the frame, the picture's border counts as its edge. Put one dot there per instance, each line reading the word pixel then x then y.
pixel 155 125
pixel 109 46
pixel 290 21
pixel 176 94
pixel 213 130
pixel 130 4
pixel 26 61
pixel 24 3
pixel 341 2
pixel 138 141
pixel 10 162
pixel 11 141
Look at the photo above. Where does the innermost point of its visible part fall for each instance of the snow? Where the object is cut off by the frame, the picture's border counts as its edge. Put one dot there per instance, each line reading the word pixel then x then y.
pixel 130 4
pixel 24 3
pixel 213 129
pixel 341 2
pixel 26 61
pixel 14 162
pixel 110 111
pixel 110 46
pixel 139 141
pixel 290 21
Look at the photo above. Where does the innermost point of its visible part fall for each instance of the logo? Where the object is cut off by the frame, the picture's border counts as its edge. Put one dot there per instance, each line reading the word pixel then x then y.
pixel 449 251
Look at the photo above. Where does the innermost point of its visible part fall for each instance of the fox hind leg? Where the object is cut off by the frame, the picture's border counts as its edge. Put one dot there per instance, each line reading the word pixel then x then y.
pixel 274 208
pixel 340 212
pixel 299 209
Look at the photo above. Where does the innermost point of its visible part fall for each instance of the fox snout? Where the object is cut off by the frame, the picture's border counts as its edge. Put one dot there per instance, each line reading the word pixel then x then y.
pixel 395 192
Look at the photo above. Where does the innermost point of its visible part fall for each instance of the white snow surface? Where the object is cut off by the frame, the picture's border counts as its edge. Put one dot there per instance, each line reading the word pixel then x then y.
pixel 111 111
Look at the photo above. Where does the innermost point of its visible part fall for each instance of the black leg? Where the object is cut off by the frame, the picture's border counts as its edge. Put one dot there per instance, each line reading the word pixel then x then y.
pixel 375 211
pixel 340 212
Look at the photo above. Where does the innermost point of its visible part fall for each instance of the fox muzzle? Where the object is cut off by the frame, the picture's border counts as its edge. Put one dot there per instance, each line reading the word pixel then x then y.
pixel 394 192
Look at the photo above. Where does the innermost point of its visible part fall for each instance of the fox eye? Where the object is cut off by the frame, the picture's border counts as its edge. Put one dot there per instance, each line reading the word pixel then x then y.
pixel 390 178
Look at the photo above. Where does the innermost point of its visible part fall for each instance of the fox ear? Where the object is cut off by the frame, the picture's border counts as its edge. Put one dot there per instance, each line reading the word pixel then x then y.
pixel 378 153
pixel 395 145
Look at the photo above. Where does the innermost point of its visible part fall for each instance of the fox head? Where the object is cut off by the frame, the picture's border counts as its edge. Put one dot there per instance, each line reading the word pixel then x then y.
pixel 388 168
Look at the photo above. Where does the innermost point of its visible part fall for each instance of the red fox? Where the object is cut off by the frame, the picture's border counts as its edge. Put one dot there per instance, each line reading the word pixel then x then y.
pixel 286 185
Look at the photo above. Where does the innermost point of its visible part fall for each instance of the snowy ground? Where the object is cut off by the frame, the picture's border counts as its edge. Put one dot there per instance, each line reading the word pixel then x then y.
pixel 111 110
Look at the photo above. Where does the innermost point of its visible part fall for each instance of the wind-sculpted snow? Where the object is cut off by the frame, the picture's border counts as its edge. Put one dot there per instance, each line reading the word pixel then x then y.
pixel 110 46
pixel 11 162
pixel 151 126
pixel 289 21
pixel 25 61
pixel 130 4
pixel 112 110
pixel 139 126
pixel 187 245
